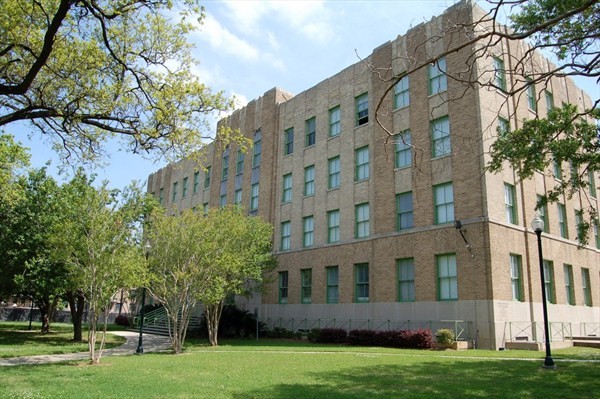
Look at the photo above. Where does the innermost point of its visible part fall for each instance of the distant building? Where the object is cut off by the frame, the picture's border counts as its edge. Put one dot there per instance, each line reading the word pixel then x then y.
pixel 373 233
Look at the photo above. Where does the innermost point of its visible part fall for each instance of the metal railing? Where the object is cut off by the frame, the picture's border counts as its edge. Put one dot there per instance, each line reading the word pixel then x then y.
pixel 590 329
pixel 534 331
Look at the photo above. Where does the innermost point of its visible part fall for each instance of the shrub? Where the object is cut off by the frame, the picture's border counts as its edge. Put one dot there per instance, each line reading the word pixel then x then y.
pixel 445 337
pixel 420 339
pixel 122 320
pixel 362 337
pixel 328 335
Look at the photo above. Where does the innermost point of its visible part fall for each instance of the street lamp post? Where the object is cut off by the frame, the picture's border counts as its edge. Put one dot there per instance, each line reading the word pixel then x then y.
pixel 140 347
pixel 538 226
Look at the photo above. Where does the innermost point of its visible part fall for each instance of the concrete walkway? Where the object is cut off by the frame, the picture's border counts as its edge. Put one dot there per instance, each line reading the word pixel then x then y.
pixel 151 343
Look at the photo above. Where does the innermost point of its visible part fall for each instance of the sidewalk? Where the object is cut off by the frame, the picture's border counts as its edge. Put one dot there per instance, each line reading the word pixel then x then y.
pixel 151 343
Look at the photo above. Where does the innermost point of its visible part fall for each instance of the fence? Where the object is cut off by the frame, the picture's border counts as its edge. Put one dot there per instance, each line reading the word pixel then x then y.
pixel 534 331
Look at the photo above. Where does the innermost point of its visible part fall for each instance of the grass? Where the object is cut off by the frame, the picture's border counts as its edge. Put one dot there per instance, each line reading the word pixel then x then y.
pixel 278 369
pixel 17 340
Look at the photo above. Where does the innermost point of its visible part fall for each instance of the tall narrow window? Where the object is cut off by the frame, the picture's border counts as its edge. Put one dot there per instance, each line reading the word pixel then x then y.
pixel 557 170
pixel 503 126
pixel 334 121
pixel 443 197
pixel 254 197
pixel 549 100
pixel 286 236
pixel 308 231
pixel 404 207
pixel 161 195
pixel 530 94
pixel 174 193
pixel 207 176
pixel 306 280
pixel 402 93
pixel 361 156
pixel 288 146
pixel 223 200
pixel 510 204
pixel 499 74
pixel 239 164
pixel 184 190
pixel 237 196
pixel 257 149
pixel 361 279
pixel 406 279
pixel 309 180
pixel 403 149
pixel 205 208
pixel 283 287
pixel 362 109
pixel 447 277
pixel 334 173
pixel 333 226
pixel 196 182
pixel 225 165
pixel 549 281
pixel 362 221
pixel 437 77
pixel 596 227
pixel 333 295
pixel 562 221
pixel 592 183
pixel 311 131
pixel 287 188
pixel 569 289
pixel 516 277
pixel 440 136
pixel 579 224
pixel 543 209
pixel 586 285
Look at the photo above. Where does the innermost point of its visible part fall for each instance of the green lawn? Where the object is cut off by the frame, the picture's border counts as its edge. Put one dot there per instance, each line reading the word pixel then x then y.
pixel 277 369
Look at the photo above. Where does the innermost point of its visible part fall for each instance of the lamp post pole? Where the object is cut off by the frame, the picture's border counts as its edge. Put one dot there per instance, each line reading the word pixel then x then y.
pixel 538 227
pixel 140 347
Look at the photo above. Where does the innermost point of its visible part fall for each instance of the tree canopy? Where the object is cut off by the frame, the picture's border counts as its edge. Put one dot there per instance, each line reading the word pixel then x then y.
pixel 84 72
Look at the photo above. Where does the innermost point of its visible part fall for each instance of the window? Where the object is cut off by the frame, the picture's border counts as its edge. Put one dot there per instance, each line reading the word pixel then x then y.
pixel 287 188
pixel 196 182
pixel 362 109
pixel 334 121
pixel 557 170
pixel 579 224
pixel 361 156
pixel 237 196
pixel 257 149
pixel 283 287
pixel 362 220
pixel 569 292
pixel 516 277
pixel 334 173
pixel 592 183
pixel 254 197
pixel 437 77
pixel 223 200
pixel 503 126
pixel 286 235
pixel 225 165
pixel 239 164
pixel 543 209
pixel 306 280
pixel 185 187
pixel 402 93
pixel 406 279
pixel 510 203
pixel 586 285
pixel 440 136
pixel 311 131
pixel 549 100
pixel 174 194
pixel 404 208
pixel 562 221
pixel 332 284
pixel 205 208
pixel 309 180
pixel 447 277
pixel 333 226
pixel 361 280
pixel 499 74
pixel 530 94
pixel 443 198
pixel 161 195
pixel 403 150
pixel 574 174
pixel 308 225
pixel 207 177
pixel 596 233
pixel 549 281
pixel 288 145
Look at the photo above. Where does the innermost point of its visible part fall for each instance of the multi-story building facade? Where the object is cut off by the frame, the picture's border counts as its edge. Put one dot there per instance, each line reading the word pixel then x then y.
pixel 373 230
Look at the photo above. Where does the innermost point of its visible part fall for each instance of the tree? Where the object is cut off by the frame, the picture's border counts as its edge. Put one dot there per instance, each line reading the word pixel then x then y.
pixel 13 159
pixel 100 243
pixel 83 72
pixel 567 32
pixel 204 258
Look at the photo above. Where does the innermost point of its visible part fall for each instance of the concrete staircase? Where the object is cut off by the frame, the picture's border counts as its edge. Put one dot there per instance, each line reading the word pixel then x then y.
pixel 589 341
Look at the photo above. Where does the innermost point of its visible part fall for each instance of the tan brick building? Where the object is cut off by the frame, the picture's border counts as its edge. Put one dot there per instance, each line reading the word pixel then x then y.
pixel 366 227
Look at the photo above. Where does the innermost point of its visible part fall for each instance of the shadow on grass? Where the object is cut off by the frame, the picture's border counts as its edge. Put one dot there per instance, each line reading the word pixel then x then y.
pixel 464 379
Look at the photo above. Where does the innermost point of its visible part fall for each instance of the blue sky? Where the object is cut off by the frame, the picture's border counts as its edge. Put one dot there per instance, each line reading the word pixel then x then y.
pixel 248 47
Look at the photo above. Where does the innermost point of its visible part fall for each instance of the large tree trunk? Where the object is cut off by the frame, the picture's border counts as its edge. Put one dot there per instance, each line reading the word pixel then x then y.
pixel 47 309
pixel 213 316
pixel 76 303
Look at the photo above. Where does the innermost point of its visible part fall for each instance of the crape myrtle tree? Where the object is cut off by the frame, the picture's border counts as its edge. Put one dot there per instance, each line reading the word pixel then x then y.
pixel 84 72
pixel 204 258
pixel 100 242
pixel 566 31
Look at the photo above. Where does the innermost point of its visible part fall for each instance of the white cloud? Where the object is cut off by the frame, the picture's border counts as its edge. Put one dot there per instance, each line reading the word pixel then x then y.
pixel 222 39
